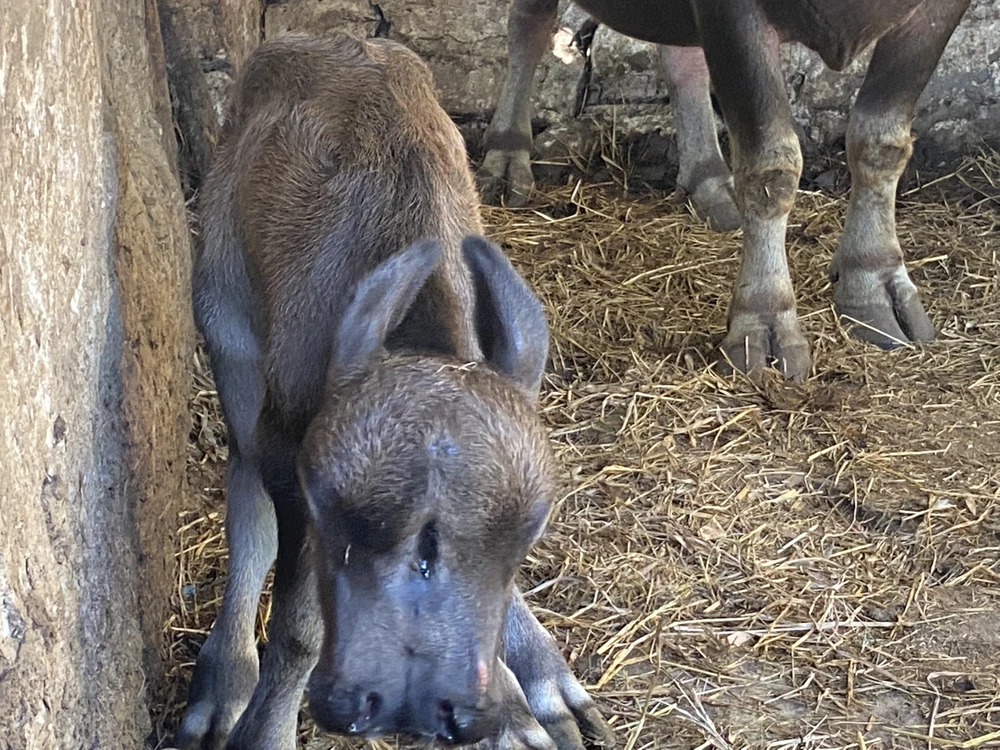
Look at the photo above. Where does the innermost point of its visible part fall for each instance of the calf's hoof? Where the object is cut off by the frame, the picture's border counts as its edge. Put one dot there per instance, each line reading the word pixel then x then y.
pixel 714 201
pixel 548 715
pixel 220 691
pixel 505 177
pixel 881 306
pixel 568 713
pixel 520 731
pixel 756 342
pixel 557 700
pixel 262 737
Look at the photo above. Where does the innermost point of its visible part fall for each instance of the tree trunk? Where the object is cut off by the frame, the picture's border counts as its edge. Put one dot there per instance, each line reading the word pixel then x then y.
pixel 95 342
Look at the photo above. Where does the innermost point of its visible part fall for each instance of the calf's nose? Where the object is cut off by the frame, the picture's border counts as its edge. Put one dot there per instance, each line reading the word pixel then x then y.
pixel 456 702
pixel 355 712
pixel 452 720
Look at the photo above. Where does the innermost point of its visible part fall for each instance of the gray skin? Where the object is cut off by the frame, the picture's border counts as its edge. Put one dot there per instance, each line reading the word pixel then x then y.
pixel 378 364
pixel 873 293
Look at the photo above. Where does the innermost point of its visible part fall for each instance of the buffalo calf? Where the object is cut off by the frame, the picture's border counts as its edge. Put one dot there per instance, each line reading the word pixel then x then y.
pixel 378 363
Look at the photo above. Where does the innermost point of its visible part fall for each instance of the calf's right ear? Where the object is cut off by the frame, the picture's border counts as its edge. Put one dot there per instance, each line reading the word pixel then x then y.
pixel 510 321
pixel 379 305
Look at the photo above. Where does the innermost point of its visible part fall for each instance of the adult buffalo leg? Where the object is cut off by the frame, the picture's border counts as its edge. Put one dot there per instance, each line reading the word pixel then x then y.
pixel 702 175
pixel 742 53
pixel 506 168
pixel 872 290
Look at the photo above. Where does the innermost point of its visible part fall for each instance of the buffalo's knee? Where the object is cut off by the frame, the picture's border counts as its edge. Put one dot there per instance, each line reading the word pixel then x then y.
pixel 767 178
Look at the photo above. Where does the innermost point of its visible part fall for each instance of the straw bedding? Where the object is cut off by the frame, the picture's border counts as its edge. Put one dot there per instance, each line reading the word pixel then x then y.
pixel 739 565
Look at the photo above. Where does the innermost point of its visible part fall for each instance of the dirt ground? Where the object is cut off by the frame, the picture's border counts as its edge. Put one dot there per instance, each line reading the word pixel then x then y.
pixel 736 565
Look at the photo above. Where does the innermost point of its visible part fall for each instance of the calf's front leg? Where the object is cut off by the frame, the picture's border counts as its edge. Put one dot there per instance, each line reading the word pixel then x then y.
pixel 226 670
pixel 519 729
pixel 295 635
pixel 556 698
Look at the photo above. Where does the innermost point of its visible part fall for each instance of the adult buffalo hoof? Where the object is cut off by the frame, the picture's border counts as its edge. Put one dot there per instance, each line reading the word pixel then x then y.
pixel 505 178
pixel 714 201
pixel 758 341
pixel 880 305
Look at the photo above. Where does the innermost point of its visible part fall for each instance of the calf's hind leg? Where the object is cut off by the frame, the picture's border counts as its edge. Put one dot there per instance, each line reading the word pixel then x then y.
pixel 872 290
pixel 742 53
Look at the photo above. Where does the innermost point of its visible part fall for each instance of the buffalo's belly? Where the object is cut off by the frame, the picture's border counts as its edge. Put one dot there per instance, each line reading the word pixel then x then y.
pixel 839 30
pixel 658 21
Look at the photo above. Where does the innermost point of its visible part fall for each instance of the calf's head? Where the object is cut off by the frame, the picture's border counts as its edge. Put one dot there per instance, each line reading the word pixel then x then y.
pixel 427 481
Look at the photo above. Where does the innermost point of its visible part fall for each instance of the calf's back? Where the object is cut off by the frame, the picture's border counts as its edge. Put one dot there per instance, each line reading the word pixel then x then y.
pixel 335 155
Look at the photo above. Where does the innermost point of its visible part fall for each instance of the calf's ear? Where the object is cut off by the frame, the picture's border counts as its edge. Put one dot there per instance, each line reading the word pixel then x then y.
pixel 379 304
pixel 510 322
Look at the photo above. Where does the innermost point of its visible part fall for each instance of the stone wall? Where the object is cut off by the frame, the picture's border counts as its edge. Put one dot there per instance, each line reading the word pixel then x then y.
pixel 958 112
pixel 465 43
pixel 95 343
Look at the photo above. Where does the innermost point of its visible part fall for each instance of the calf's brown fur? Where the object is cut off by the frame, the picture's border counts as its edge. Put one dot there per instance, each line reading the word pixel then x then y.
pixel 377 363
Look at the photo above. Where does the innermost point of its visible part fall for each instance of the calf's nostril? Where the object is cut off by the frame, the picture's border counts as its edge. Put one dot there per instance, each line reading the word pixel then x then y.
pixel 370 706
pixel 447 727
pixel 463 725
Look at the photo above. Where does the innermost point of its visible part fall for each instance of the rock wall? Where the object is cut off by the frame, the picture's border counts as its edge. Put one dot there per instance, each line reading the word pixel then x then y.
pixel 958 112
pixel 464 42
pixel 95 343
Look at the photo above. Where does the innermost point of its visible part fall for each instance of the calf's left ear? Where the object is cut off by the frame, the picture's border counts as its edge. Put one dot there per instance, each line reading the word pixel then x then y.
pixel 380 302
pixel 510 321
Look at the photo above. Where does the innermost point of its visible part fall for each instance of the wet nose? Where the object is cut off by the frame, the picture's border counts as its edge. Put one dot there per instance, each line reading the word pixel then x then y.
pixel 457 703
pixel 364 712
pixel 424 704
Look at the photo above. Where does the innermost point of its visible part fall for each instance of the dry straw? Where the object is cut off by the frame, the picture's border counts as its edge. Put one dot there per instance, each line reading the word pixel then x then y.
pixel 736 565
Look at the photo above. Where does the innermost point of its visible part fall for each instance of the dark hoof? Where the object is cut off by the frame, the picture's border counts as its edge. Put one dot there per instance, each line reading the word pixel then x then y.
pixel 882 308
pixel 576 719
pixel 755 344
pixel 520 729
pixel 714 202
pixel 505 178
pixel 564 708
pixel 219 693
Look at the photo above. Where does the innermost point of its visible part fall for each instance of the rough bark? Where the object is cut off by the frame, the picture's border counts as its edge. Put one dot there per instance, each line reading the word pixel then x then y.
pixel 95 342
